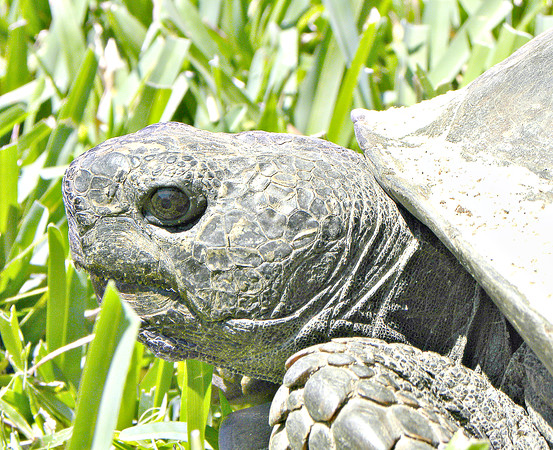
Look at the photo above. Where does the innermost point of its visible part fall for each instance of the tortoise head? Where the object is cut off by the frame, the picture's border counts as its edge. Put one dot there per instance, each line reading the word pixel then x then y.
pixel 229 247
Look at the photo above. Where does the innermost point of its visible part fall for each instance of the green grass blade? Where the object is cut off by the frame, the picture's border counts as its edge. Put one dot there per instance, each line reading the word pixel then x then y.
pixel 106 365
pixel 173 431
pixel 141 9
pixel 226 409
pixel 343 17
pixel 178 91
pixel 271 119
pixel 167 58
pixel 12 338
pixel 55 440
pixel 80 89
pixel 234 21
pixel 196 395
pixel 68 32
pixel 155 430
pixel 28 142
pixel 230 92
pixel 16 271
pixel 416 42
pixel 425 83
pixel 471 6
pixel 437 15
pixel 476 64
pixel 16 418
pixel 55 156
pixel 278 11
pixel 285 61
pixel 36 13
pixel 57 318
pixel 58 152
pixel 317 95
pixel 345 97
pixel 76 327
pixel 508 41
pixel 342 21
pixel 185 16
pixel 10 117
pixel 31 229
pixel 413 53
pixel 488 15
pixel 156 383
pixel 59 406
pixel 9 174
pixel 543 23
pixel 210 10
pixel 533 9
pixel 129 31
pixel 129 399
pixel 257 73
pixel 17 70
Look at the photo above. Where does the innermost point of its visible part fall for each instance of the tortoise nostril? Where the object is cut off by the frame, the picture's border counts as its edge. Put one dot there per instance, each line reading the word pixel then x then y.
pixel 79 204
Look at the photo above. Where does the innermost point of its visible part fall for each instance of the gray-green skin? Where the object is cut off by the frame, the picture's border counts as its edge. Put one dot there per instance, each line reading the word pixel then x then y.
pixel 243 249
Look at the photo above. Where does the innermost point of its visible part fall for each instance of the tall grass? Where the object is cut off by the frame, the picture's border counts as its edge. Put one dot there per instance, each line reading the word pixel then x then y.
pixel 76 72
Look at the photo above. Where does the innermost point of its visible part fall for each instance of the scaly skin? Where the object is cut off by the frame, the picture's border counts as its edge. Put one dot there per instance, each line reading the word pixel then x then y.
pixel 281 242
pixel 297 245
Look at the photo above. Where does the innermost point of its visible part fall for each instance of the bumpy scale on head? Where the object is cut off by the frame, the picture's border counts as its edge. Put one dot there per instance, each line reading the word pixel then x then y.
pixel 269 224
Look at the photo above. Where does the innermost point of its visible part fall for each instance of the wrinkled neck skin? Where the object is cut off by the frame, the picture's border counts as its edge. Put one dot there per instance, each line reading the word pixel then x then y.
pixel 291 243
pixel 401 284
pixel 390 278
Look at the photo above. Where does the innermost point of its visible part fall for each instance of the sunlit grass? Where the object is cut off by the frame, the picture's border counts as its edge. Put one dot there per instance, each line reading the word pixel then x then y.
pixel 74 73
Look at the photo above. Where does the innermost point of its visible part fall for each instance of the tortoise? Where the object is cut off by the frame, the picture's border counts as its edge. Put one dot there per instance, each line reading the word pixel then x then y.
pixel 396 297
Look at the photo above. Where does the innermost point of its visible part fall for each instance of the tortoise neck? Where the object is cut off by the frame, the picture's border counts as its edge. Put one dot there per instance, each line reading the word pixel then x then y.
pixel 405 286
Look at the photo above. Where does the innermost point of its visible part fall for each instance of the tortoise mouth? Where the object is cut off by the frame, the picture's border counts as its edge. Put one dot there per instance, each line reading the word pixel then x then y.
pixel 172 331
pixel 146 299
pixel 167 347
pixel 165 320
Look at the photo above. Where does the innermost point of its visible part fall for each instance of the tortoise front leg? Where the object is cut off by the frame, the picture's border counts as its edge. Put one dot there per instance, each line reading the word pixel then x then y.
pixel 365 393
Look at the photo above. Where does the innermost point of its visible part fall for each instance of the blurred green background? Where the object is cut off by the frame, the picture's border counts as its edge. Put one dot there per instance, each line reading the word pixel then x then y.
pixel 74 73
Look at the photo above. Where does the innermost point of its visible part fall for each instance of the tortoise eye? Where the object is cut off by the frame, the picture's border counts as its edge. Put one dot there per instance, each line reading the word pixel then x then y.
pixel 172 207
pixel 169 204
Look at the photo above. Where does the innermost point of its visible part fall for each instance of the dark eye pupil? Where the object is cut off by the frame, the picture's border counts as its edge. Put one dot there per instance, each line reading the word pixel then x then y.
pixel 169 203
pixel 173 208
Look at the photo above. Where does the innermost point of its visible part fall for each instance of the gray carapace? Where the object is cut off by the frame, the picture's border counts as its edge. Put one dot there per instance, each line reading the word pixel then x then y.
pixel 476 166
